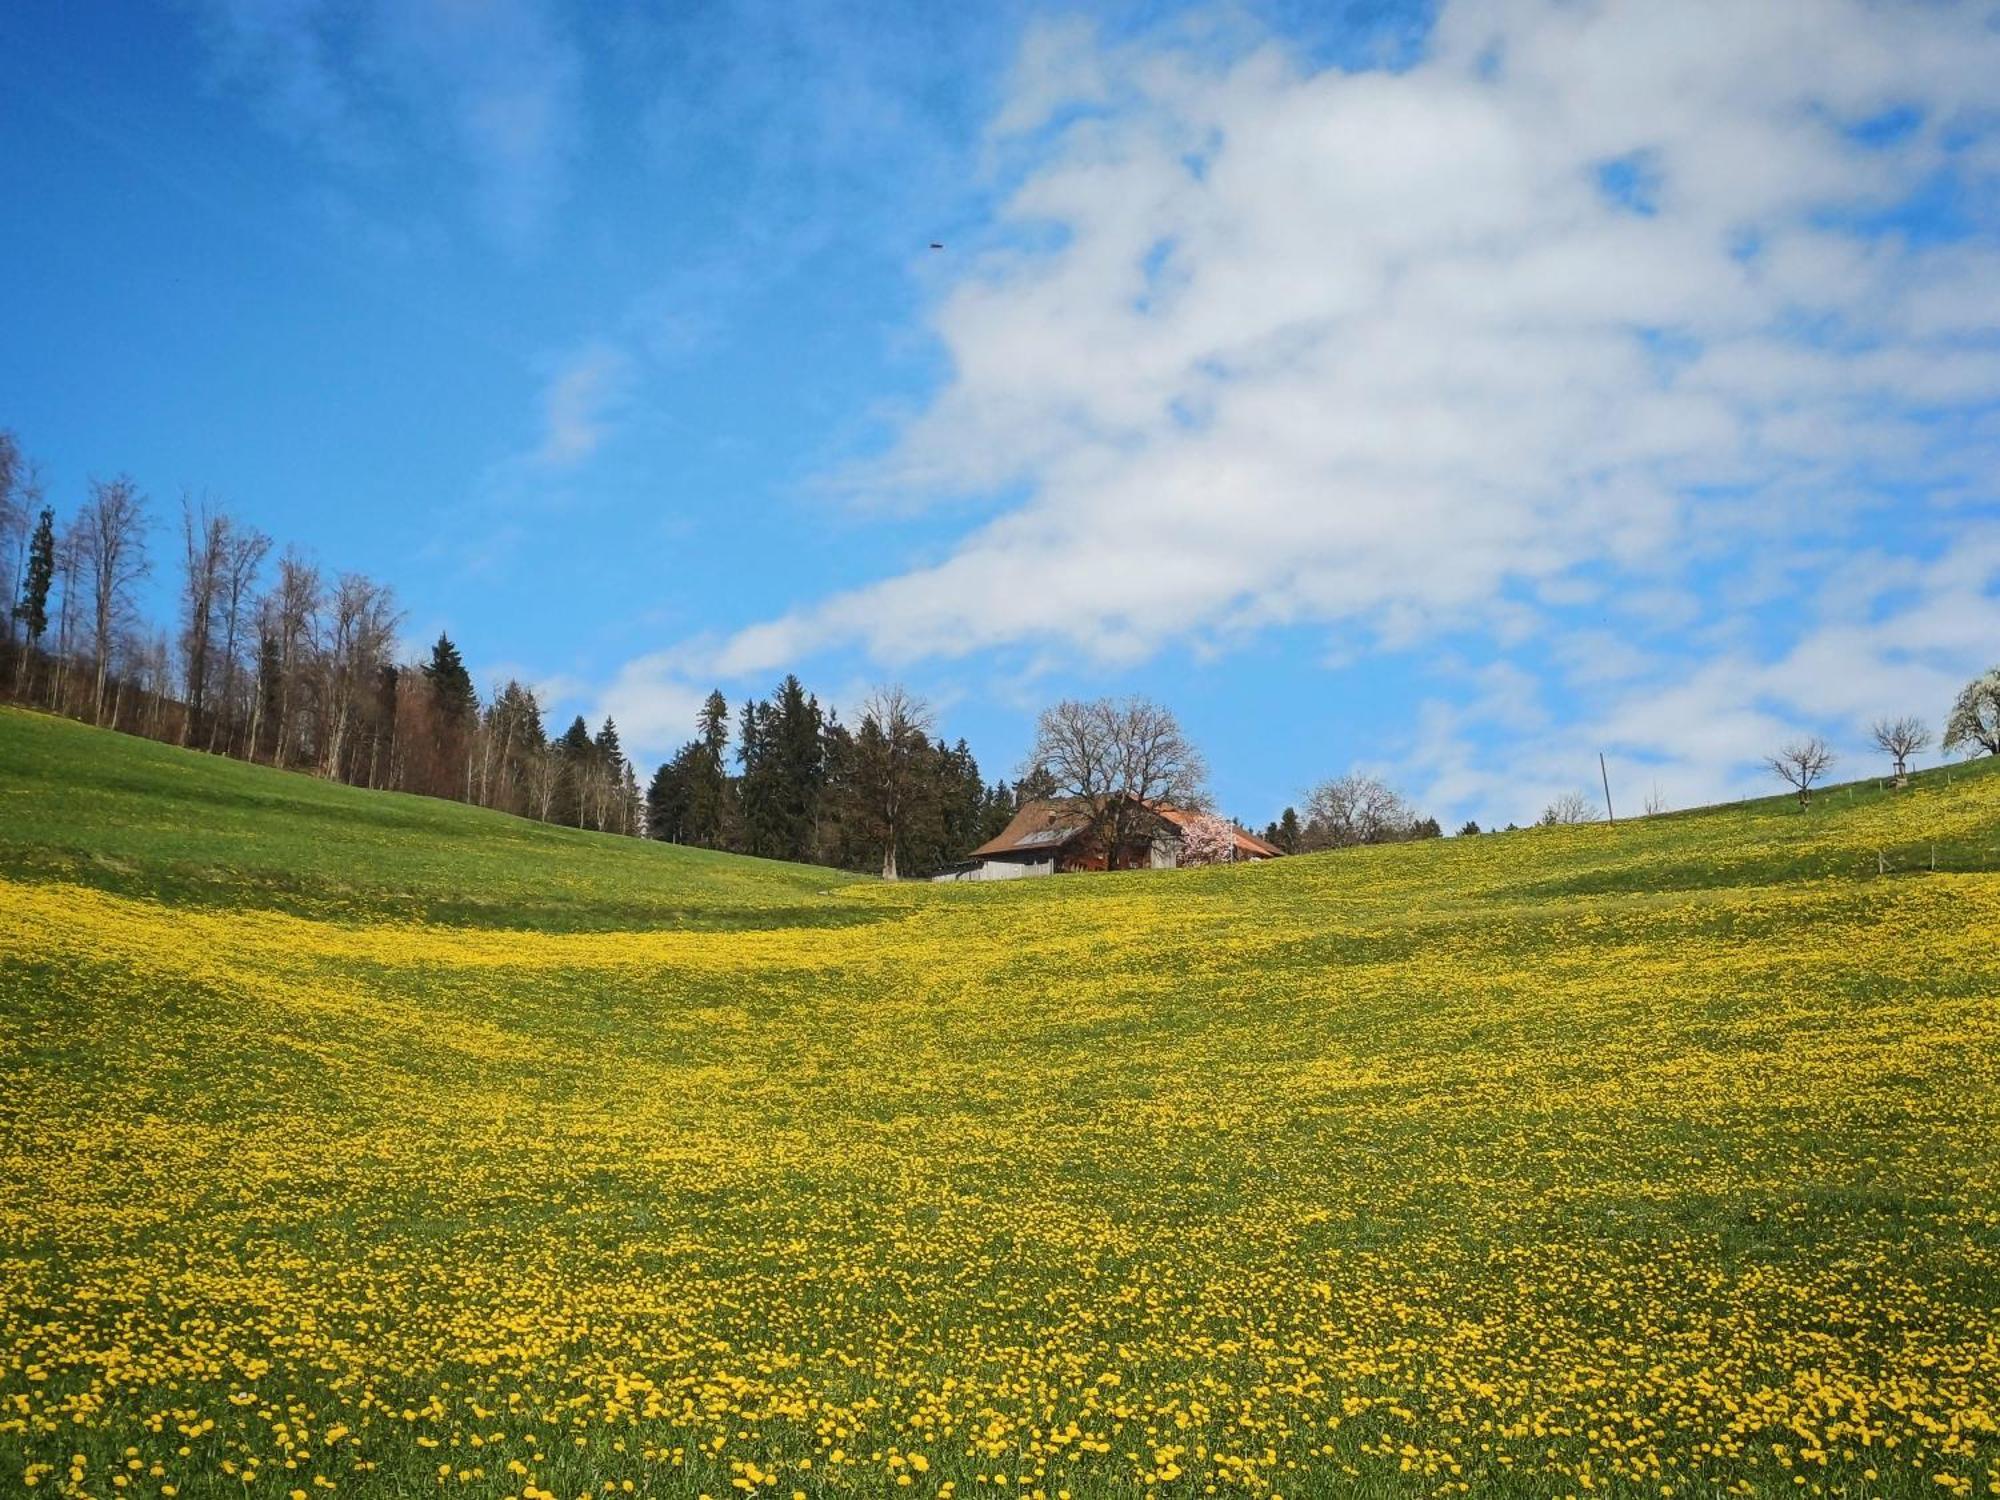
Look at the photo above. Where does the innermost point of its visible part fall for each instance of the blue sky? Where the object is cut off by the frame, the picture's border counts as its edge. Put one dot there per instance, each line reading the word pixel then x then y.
pixel 1450 391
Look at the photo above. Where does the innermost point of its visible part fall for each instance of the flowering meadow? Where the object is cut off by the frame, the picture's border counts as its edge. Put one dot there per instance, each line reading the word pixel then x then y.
pixel 361 1145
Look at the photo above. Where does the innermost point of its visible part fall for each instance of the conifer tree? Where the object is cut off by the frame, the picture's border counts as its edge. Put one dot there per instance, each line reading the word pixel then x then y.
pixel 606 744
pixel 668 803
pixel 451 684
pixel 708 776
pixel 32 609
pixel 578 753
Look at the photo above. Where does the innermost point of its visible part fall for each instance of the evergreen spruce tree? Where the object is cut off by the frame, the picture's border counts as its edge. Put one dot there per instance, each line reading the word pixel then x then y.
pixel 32 609
pixel 631 806
pixel 1001 805
pixel 578 753
pixel 708 788
pixel 800 766
pixel 606 743
pixel 451 684
pixel 669 804
pixel 1286 835
pixel 754 791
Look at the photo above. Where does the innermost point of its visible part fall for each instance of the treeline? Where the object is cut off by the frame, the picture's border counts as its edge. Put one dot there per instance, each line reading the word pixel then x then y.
pixel 798 784
pixel 277 662
pixel 1345 811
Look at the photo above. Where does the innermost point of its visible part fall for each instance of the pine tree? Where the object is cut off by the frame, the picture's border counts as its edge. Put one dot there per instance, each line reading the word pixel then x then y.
pixel 708 785
pixel 578 753
pixel 799 766
pixel 32 609
pixel 1287 834
pixel 451 684
pixel 669 805
pixel 606 744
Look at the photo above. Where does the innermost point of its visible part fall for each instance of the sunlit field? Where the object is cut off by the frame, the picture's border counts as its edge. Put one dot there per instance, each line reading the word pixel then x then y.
pixel 367 1145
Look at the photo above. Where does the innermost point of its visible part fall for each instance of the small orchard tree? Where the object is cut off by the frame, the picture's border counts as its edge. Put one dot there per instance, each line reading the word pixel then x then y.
pixel 1974 724
pixel 1899 739
pixel 1570 808
pixel 1207 840
pixel 1801 764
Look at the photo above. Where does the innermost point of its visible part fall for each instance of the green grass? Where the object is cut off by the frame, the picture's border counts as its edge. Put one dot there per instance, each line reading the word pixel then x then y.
pixel 140 818
pixel 341 1130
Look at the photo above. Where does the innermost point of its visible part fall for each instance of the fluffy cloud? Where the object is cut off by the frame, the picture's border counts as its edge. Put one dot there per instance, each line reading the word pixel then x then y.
pixel 1611 297
pixel 1373 346
pixel 1886 636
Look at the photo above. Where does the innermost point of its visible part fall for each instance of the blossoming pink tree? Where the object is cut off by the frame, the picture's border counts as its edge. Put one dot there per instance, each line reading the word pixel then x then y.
pixel 1207 840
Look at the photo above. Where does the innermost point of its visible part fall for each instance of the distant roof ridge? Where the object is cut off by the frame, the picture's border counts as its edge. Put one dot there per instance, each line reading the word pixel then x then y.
pixel 1050 822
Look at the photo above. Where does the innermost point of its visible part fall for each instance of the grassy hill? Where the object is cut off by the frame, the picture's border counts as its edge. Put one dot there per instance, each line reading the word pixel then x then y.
pixel 356 1143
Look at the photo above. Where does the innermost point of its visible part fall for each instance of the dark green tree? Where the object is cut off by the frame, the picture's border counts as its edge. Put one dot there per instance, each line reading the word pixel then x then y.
pixel 669 805
pixel 32 609
pixel 606 745
pixel 451 684
pixel 709 790
pixel 578 754
pixel 783 763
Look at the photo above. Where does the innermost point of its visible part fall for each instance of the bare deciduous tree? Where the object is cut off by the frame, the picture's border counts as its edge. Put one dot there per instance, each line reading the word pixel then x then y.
pixel 1568 809
pixel 545 776
pixel 1114 756
pixel 1899 739
pixel 1801 764
pixel 69 571
pixel 113 535
pixel 14 513
pixel 1345 811
pixel 361 622
pixel 244 550
pixel 204 537
pixel 889 747
pixel 1656 801
pixel 294 618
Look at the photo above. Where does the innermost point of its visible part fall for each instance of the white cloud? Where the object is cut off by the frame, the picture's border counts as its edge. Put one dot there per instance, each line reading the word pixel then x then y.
pixel 1700 729
pixel 654 701
pixel 578 402
pixel 1372 346
pixel 1378 350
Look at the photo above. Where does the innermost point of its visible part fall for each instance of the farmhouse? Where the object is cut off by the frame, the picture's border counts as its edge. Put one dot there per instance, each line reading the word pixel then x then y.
pixel 1051 837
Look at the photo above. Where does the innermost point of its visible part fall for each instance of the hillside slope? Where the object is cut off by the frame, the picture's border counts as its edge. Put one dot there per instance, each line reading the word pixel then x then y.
pixel 367 1144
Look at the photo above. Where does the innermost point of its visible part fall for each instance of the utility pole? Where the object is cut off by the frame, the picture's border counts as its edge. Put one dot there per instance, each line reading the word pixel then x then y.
pixel 1609 816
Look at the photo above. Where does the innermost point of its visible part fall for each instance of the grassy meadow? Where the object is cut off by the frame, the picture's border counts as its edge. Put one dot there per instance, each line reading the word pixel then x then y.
pixel 359 1144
